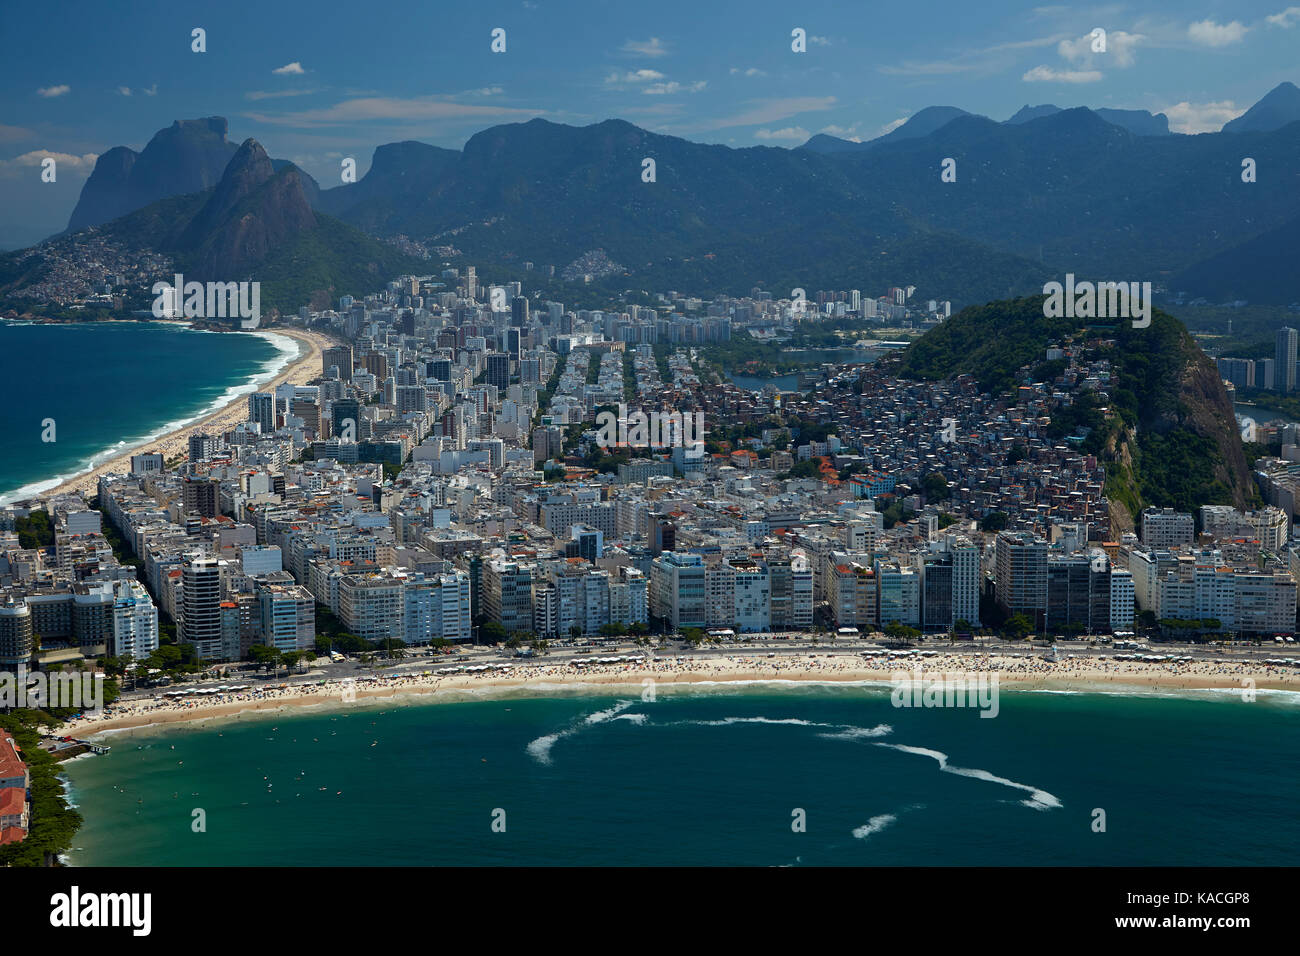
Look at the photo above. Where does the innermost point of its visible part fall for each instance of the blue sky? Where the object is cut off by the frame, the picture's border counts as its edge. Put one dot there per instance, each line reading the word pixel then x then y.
pixel 318 81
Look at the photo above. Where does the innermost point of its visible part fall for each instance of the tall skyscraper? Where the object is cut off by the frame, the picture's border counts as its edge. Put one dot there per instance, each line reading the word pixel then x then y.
pixel 498 370
pixel 339 356
pixel 519 311
pixel 201 605
pixel 1284 358
pixel 345 419
pixel 1021 569
pixel 261 409
pixel 965 580
pixel 16 641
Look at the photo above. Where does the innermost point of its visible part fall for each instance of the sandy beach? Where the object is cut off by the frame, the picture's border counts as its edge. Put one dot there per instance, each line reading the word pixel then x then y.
pixel 175 444
pixel 542 679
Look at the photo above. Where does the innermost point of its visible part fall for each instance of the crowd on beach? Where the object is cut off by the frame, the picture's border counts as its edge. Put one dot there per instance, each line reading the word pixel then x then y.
pixel 1079 672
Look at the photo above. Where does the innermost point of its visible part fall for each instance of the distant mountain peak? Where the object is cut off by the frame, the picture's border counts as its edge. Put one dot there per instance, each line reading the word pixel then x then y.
pixel 217 125
pixel 1027 113
pixel 921 123
pixel 926 121
pixel 252 209
pixel 1279 107
pixel 826 143
pixel 1137 122
pixel 188 156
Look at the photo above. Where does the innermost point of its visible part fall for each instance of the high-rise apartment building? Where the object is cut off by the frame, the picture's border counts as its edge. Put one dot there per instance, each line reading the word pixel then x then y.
pixel 1021 575
pixel 261 409
pixel 201 592
pixel 1284 359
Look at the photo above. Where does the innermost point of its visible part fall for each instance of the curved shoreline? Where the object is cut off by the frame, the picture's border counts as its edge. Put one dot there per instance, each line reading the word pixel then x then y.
pixel 175 441
pixel 548 680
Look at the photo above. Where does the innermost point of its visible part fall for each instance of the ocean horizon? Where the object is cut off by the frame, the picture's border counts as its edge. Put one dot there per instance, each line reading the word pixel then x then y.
pixel 147 379
pixel 753 774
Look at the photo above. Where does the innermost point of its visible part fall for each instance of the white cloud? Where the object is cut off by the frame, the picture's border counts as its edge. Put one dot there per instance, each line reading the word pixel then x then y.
pixel 52 91
pixel 1121 48
pixel 788 132
pixel 1201 117
pixel 151 90
pixel 1045 74
pixel 84 162
pixel 486 91
pixel 843 132
pixel 1209 33
pixel 634 76
pixel 294 68
pixel 819 41
pixel 752 71
pixel 124 90
pixel 652 47
pixel 667 89
pixel 891 126
pixel 1286 19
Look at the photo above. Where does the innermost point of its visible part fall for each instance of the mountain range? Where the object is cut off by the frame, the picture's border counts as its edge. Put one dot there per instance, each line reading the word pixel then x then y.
pixel 933 118
pixel 187 157
pixel 1106 194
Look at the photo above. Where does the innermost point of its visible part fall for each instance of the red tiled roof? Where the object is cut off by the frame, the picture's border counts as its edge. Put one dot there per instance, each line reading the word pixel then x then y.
pixel 11 763
pixel 12 801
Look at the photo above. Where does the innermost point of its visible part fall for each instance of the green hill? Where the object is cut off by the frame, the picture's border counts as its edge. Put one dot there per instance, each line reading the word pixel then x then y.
pixel 1167 435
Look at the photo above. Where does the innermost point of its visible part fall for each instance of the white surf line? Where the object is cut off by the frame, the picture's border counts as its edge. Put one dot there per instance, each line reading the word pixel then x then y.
pixel 540 749
pixel 1039 799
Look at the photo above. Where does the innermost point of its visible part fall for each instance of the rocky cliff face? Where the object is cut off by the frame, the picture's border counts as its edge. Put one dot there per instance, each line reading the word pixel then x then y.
pixel 104 197
pixel 187 157
pixel 251 211
pixel 1186 450
pixel 190 156
pixel 1209 413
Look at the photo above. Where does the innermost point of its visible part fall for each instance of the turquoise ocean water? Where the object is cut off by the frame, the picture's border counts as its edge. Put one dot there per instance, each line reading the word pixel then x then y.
pixel 109 386
pixel 708 777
